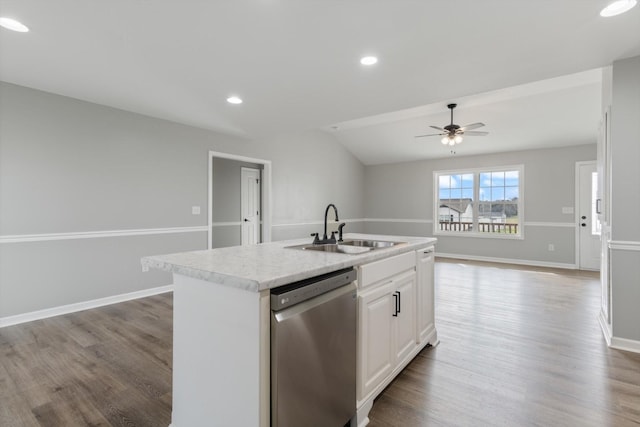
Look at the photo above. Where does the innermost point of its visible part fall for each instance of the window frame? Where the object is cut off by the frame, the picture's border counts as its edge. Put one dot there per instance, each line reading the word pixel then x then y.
pixel 476 201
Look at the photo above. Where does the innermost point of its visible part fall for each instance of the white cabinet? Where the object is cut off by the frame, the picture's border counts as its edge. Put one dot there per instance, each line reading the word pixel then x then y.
pixel 425 295
pixel 375 354
pixel 386 320
pixel 404 320
pixel 387 329
pixel 395 320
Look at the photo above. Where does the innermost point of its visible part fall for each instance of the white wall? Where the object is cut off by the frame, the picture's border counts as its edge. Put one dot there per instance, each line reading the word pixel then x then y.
pixel 70 167
pixel 400 197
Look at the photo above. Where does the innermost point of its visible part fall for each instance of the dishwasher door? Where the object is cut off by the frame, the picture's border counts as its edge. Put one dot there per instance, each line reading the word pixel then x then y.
pixel 313 360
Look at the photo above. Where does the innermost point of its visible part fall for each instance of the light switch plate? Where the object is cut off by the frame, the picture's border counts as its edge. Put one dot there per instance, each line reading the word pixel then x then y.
pixel 195 210
pixel 567 210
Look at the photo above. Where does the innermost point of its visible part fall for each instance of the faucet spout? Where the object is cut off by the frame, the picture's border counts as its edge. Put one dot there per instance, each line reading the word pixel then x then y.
pixel 326 214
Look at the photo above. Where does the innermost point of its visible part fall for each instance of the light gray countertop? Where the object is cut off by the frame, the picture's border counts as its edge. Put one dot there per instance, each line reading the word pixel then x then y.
pixel 269 265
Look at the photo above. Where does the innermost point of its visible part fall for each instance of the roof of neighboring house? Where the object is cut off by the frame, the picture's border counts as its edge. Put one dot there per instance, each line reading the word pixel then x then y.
pixel 458 205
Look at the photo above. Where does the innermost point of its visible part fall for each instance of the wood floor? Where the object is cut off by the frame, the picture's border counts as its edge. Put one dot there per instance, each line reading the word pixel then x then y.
pixel 518 346
pixel 109 366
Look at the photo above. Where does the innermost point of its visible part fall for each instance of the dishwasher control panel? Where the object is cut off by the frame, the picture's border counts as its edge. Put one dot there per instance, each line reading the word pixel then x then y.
pixel 288 295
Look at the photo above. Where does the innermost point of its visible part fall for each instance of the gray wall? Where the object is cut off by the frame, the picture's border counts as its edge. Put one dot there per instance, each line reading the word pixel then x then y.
pixel 69 166
pixel 318 171
pixel 404 191
pixel 226 201
pixel 625 199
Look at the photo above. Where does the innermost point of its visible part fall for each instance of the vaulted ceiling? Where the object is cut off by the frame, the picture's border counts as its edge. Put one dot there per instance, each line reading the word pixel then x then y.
pixel 296 65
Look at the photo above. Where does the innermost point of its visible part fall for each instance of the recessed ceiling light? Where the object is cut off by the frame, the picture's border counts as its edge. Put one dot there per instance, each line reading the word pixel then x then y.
pixel 618 7
pixel 13 25
pixel 234 100
pixel 368 60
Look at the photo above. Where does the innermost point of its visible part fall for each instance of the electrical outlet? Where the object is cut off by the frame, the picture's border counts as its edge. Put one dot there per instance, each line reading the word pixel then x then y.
pixel 552 247
pixel 195 210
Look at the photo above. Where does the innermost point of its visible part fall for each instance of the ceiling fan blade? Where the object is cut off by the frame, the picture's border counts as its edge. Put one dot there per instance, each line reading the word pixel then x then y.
pixel 471 126
pixel 431 134
pixel 436 127
pixel 476 133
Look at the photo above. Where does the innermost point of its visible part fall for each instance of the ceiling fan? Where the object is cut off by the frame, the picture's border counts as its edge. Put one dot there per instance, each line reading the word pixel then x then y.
pixel 452 133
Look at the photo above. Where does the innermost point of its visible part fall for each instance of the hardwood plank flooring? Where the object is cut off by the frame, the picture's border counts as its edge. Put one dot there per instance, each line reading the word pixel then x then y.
pixel 520 346
pixel 110 366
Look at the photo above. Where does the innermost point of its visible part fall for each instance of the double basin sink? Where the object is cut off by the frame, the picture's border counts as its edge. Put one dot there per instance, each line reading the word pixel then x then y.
pixel 351 246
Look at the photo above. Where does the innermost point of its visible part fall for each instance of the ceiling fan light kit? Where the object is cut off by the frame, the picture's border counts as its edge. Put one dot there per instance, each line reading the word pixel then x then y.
pixel 452 133
pixel 447 140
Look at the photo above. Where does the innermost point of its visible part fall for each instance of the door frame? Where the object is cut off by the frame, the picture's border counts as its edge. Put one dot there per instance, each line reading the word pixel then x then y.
pixel 265 189
pixel 576 209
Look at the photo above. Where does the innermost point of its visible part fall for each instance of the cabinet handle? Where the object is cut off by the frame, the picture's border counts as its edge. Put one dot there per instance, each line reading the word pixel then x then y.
pixel 399 303
pixel 396 297
pixel 428 252
pixel 598 210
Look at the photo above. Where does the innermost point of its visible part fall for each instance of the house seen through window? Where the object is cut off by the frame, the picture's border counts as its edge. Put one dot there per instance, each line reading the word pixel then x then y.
pixel 479 202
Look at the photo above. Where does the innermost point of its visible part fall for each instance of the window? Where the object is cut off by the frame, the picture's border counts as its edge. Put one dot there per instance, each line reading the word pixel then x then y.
pixel 479 202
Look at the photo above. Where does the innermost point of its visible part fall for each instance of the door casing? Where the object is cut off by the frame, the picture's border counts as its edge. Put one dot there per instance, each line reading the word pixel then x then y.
pixel 265 190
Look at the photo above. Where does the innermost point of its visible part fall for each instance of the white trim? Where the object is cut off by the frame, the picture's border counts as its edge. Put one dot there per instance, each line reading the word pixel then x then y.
pixel 621 245
pixel 625 344
pixel 410 221
pixel 533 263
pixel 265 189
pixel 550 224
pixel 226 224
pixel 606 328
pixel 22 238
pixel 321 222
pixel 80 306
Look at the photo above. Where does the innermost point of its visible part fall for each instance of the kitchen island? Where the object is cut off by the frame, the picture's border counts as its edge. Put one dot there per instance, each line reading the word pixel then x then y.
pixel 221 346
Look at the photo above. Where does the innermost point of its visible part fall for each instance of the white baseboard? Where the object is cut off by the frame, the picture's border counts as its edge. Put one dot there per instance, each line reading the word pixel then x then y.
pixel 80 306
pixel 533 263
pixel 606 329
pixel 24 238
pixel 625 344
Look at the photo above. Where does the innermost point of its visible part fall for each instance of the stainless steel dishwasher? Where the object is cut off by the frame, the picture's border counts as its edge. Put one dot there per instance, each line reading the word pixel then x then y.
pixel 313 351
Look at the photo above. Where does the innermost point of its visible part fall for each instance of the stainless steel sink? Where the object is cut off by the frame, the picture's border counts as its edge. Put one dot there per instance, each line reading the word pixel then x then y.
pixel 351 246
pixel 373 244
pixel 353 250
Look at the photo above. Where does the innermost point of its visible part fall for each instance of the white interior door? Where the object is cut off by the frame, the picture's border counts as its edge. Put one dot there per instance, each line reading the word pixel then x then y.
pixel 250 206
pixel 588 225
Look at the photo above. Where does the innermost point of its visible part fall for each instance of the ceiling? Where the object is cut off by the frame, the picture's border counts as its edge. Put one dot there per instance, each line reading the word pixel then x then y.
pixel 296 65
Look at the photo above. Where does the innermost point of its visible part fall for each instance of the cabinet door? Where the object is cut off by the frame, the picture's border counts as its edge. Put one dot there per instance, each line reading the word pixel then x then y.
pixel 426 318
pixel 375 356
pixel 405 322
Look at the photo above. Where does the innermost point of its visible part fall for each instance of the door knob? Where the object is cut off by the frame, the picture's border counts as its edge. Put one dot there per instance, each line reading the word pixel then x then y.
pixel 583 224
pixel 583 217
pixel 246 220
